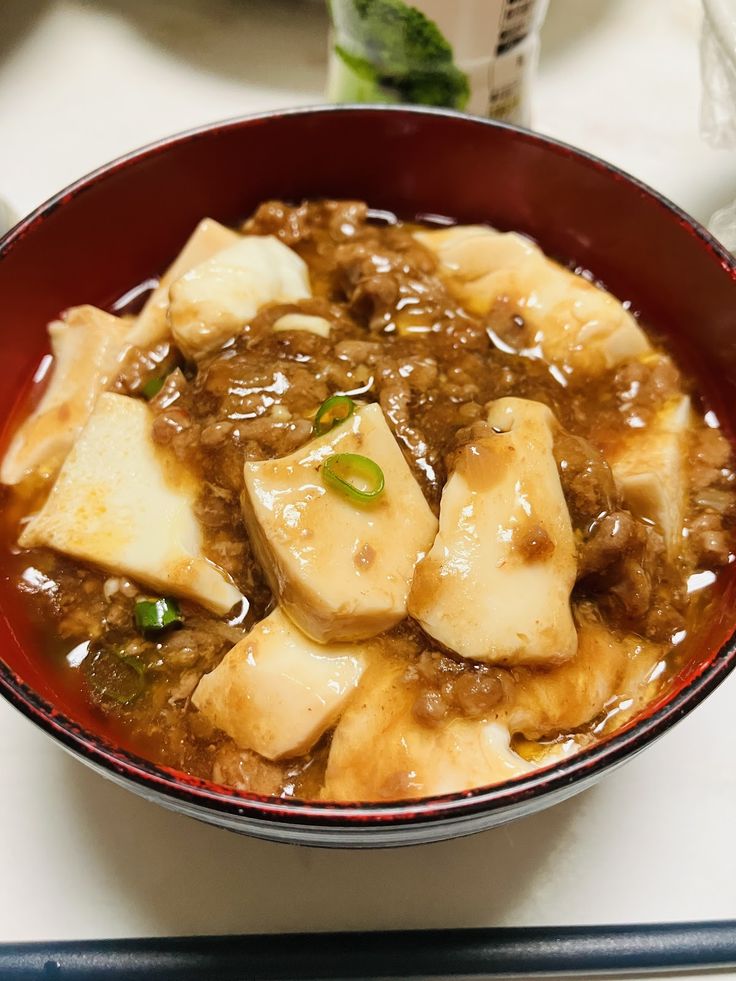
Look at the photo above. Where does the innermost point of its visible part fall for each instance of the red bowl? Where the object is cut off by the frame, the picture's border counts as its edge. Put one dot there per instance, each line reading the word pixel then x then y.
pixel 123 223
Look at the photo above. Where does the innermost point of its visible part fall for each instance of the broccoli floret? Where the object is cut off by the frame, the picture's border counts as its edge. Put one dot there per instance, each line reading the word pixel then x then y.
pixel 354 80
pixel 400 51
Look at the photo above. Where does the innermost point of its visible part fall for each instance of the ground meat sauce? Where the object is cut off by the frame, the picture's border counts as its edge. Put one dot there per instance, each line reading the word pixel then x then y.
pixel 400 339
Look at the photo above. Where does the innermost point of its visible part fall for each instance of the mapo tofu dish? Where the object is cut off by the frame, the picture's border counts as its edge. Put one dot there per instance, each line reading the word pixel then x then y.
pixel 352 509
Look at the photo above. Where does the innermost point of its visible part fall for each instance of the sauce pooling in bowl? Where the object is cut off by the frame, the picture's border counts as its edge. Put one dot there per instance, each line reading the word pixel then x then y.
pixel 365 510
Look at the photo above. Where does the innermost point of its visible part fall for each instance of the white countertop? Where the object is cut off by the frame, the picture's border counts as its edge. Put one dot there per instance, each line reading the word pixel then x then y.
pixel 81 83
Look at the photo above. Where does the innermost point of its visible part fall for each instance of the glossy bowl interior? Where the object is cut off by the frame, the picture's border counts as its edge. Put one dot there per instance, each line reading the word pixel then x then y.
pixel 122 224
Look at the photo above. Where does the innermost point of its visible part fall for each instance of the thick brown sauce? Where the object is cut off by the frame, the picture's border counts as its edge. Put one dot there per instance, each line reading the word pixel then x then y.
pixel 399 338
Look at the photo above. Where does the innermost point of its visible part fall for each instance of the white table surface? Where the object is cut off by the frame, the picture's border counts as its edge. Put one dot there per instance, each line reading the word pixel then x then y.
pixel 83 82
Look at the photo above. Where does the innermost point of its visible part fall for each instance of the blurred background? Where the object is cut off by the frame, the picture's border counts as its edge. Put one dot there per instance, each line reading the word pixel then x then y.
pixel 83 81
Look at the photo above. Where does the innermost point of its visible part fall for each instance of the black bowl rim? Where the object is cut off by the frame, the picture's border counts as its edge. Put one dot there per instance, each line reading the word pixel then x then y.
pixel 582 767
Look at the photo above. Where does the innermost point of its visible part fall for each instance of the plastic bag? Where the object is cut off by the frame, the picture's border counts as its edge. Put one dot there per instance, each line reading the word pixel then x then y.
pixel 718 104
pixel 718 69
pixel 723 225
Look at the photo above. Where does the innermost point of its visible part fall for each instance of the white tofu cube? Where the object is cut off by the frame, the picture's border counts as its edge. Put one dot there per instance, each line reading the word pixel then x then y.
pixel 88 346
pixel 609 667
pixel 570 322
pixel 277 691
pixel 303 321
pixel 207 239
pixel 125 504
pixel 341 570
pixel 496 585
pixel 212 302
pixel 649 470
pixel 380 751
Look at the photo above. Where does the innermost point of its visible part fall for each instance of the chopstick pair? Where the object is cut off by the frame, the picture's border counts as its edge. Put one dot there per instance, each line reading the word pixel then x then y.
pixel 428 954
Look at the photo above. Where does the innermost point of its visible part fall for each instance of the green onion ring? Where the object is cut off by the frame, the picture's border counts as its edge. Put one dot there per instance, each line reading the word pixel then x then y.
pixel 120 694
pixel 158 614
pixel 152 387
pixel 104 676
pixel 343 469
pixel 331 413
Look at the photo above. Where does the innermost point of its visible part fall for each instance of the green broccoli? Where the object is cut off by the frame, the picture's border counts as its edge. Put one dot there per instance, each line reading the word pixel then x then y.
pixel 396 54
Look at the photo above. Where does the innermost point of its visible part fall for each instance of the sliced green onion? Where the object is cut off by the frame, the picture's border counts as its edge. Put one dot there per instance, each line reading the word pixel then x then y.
pixel 355 476
pixel 331 413
pixel 152 387
pixel 157 614
pixel 115 677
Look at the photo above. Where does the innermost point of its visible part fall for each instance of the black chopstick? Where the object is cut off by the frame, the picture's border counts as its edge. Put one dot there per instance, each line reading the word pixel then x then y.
pixel 477 953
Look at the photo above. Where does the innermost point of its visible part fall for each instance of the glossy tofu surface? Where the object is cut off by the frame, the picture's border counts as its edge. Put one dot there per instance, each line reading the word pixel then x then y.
pixel 496 585
pixel 87 345
pixel 380 751
pixel 342 570
pixel 211 302
pixel 208 238
pixel 650 470
pixel 125 504
pixel 277 691
pixel 568 321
